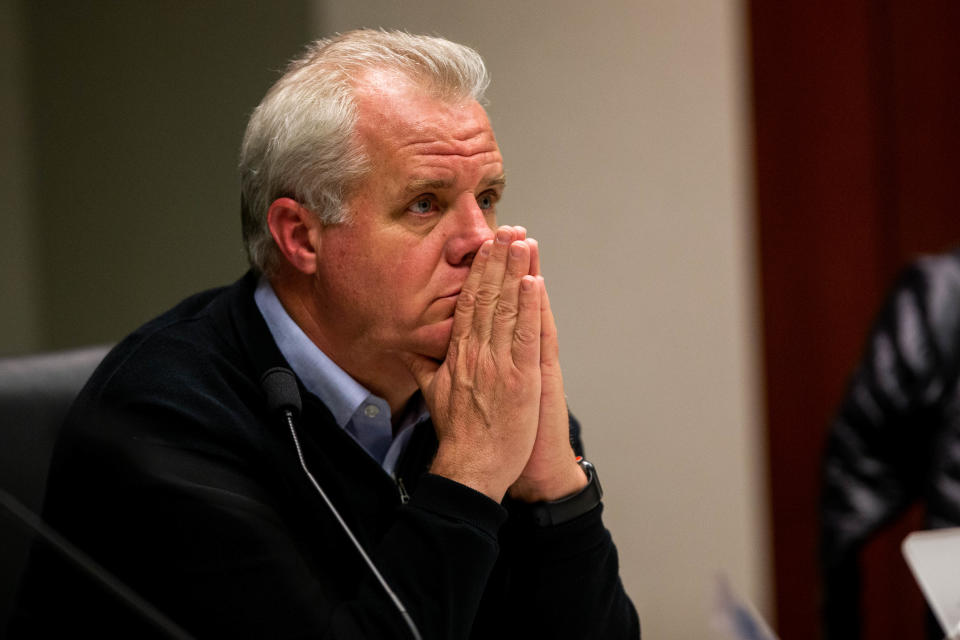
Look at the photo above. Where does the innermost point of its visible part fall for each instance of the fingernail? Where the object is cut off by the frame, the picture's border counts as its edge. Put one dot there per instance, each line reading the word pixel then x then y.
pixel 516 249
pixel 503 236
pixel 485 249
pixel 527 283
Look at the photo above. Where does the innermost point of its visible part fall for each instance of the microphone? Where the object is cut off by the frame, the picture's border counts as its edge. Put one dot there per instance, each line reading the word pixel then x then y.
pixel 283 396
pixel 280 386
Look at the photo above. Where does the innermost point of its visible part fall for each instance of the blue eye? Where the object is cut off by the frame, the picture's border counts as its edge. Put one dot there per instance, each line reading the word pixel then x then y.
pixel 421 206
pixel 486 201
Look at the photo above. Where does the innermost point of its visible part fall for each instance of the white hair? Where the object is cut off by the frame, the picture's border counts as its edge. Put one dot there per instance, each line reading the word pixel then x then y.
pixel 300 141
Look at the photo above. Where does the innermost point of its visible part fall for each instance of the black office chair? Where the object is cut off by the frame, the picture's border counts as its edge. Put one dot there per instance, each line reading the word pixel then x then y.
pixel 35 393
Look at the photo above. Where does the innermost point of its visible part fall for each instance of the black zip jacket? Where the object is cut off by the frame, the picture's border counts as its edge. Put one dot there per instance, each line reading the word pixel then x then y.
pixel 172 473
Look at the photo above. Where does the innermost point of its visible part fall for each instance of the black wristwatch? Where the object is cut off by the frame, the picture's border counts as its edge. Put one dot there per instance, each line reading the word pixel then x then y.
pixel 555 512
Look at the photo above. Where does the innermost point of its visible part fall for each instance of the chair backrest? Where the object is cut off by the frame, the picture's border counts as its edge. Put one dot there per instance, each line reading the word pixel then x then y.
pixel 35 393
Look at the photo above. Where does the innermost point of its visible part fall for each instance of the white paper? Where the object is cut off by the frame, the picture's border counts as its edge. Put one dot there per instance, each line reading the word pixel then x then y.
pixel 735 617
pixel 934 558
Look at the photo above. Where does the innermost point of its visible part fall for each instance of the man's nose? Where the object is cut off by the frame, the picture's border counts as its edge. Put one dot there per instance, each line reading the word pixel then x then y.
pixel 472 226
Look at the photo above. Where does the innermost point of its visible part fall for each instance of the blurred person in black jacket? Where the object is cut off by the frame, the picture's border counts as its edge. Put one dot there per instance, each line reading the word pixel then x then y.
pixel 896 438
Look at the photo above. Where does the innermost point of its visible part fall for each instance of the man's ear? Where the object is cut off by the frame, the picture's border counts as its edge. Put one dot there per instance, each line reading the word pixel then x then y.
pixel 295 230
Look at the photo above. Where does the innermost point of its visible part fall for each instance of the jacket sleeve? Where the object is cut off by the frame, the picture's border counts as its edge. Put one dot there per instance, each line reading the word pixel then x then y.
pixel 566 577
pixel 879 447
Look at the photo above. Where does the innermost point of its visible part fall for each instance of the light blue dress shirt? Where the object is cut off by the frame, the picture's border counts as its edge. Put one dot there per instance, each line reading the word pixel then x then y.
pixel 360 413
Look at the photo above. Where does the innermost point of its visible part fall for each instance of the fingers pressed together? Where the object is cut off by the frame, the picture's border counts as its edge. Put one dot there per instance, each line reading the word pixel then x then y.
pixel 485 396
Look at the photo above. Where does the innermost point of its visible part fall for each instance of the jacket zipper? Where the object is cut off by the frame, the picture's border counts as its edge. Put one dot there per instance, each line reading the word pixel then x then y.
pixel 404 496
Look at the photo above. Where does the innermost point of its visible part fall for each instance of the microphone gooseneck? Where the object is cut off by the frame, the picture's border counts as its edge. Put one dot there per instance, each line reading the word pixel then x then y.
pixel 283 396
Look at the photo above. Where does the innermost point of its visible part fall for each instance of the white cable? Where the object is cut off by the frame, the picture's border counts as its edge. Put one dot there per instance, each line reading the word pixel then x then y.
pixel 356 543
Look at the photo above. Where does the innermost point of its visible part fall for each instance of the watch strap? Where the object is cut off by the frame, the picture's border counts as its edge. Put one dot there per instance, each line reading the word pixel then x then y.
pixel 554 512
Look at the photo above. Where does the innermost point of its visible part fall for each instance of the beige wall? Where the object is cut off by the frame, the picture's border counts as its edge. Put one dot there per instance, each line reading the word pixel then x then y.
pixel 623 125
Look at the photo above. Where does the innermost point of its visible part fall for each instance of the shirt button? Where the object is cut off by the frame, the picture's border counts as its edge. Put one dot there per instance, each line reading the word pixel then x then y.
pixel 371 410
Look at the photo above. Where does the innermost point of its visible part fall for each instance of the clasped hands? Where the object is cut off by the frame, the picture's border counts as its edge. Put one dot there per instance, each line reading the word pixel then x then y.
pixel 497 400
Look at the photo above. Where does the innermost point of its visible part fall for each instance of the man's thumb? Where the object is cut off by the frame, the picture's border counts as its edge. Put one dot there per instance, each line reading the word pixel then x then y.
pixel 422 368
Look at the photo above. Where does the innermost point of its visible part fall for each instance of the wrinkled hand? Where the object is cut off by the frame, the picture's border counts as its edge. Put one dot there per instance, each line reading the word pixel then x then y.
pixel 484 398
pixel 551 472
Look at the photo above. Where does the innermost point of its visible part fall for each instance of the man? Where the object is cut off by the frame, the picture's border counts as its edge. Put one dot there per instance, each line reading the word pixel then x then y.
pixel 425 353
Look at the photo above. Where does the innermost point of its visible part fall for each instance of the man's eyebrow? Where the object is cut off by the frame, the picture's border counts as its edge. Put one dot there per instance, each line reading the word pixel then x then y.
pixel 496 181
pixel 421 185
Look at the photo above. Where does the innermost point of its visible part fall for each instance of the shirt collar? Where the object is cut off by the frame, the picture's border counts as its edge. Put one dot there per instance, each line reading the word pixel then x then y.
pixel 320 375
